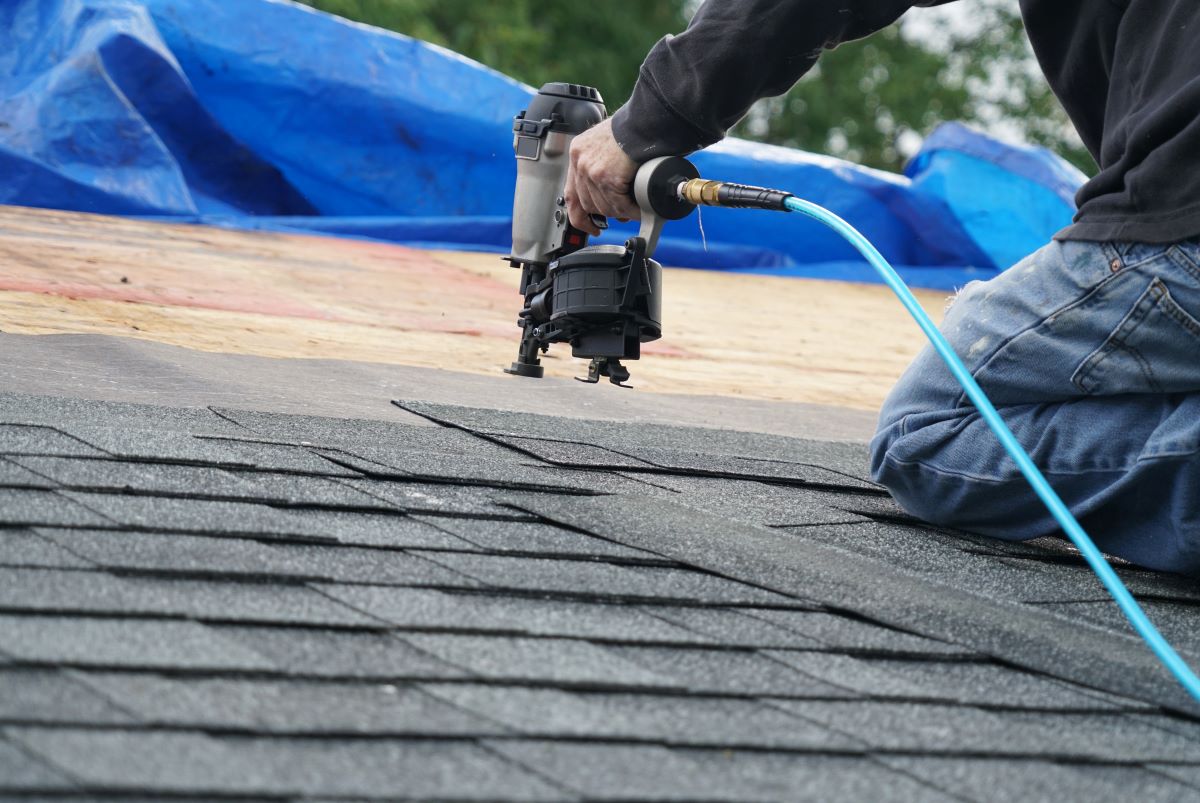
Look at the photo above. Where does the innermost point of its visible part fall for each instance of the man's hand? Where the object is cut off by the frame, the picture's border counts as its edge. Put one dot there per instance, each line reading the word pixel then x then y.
pixel 599 179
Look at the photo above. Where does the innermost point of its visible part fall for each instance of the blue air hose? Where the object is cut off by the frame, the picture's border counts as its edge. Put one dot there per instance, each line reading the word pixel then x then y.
pixel 1128 605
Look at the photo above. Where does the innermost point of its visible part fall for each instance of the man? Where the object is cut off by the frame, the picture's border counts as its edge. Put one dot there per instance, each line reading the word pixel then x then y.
pixel 1089 347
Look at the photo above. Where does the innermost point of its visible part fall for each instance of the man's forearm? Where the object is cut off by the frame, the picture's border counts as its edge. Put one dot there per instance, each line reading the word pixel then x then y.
pixel 693 87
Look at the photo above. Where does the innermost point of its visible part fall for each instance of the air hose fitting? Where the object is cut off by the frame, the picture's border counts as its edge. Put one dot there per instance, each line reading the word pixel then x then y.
pixel 703 192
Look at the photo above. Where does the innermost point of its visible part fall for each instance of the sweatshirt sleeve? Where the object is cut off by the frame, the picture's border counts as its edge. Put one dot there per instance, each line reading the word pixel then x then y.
pixel 693 87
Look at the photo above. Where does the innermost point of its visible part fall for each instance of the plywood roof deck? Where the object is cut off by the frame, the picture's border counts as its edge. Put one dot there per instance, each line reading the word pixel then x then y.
pixel 279 295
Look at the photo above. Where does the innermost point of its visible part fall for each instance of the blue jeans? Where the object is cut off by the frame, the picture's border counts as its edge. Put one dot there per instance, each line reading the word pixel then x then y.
pixel 1091 353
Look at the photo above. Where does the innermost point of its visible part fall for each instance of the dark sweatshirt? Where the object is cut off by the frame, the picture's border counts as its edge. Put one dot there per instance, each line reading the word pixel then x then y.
pixel 1127 72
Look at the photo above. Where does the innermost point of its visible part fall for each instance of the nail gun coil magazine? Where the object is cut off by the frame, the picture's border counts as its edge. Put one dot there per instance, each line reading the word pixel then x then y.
pixel 604 300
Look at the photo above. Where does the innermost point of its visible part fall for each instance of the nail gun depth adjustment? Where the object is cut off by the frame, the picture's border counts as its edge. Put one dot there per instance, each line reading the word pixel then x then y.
pixel 605 300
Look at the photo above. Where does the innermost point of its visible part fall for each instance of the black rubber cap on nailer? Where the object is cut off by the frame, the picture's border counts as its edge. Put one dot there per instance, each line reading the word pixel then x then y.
pixel 570 108
pixel 662 187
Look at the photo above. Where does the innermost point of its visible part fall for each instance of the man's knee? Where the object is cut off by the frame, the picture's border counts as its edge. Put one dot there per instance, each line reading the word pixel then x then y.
pixel 945 467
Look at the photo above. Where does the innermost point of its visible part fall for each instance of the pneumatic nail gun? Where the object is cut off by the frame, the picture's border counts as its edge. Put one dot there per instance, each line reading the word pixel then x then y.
pixel 604 300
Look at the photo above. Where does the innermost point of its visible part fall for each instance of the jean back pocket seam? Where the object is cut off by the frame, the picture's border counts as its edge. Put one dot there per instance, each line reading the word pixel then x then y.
pixel 1156 296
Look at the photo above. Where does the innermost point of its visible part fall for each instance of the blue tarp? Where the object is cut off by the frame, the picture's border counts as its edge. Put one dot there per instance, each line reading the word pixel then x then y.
pixel 266 114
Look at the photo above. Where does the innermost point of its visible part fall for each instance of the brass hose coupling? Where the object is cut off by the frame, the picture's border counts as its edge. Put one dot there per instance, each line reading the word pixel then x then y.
pixel 703 192
pixel 700 192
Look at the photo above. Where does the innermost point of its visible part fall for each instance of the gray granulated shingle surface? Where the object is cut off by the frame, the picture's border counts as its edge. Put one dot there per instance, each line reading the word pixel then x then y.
pixel 193 515
pixel 15 475
pixel 533 537
pixel 27 548
pixel 733 628
pixel 669 720
pixel 1023 634
pixel 198 764
pixel 266 456
pixel 499 469
pixel 47 508
pixel 382 438
pixel 20 439
pixel 434 498
pixel 246 558
pixel 603 579
pixel 46 639
pixel 840 632
pixel 250 605
pixel 93 592
pixel 393 530
pixel 427 609
pixel 307 490
pixel 547 660
pixel 758 502
pixel 288 706
pixel 570 453
pixel 656 773
pixel 1177 621
pixel 963 729
pixel 322 430
pixel 967 683
pixel 1185 773
pixel 340 654
pixel 221 451
pixel 63 410
pixel 716 671
pixel 48 696
pixel 21 771
pixel 155 478
pixel 1023 780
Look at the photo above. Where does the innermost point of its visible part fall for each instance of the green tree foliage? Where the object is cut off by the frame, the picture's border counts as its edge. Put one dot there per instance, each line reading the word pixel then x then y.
pixel 601 44
pixel 860 100
pixel 869 101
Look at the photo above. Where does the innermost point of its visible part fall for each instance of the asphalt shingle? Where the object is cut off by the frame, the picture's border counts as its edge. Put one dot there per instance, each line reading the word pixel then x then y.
pixel 193 763
pixel 649 773
pixel 840 632
pixel 960 730
pixel 544 660
pixel 95 592
pixel 47 696
pixel 733 628
pixel 23 408
pixel 288 707
pixel 604 579
pixel 238 616
pixel 139 643
pixel 15 475
pixel 27 548
pixel 20 439
pixel 243 557
pixel 441 499
pixel 1000 780
pixel 722 671
pixel 427 609
pixel 47 508
pixel 669 720
pixel 84 474
pixel 337 654
pixel 950 681
pixel 533 537
pixel 1021 634
pixel 194 515
pixel 20 771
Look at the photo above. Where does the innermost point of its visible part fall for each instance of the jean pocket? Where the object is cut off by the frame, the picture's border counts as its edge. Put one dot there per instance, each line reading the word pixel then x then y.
pixel 1154 349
